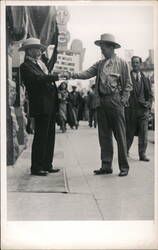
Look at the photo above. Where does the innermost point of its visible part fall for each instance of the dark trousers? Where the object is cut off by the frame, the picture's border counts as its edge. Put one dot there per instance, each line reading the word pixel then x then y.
pixel 111 119
pixel 92 117
pixel 137 124
pixel 75 116
pixel 76 109
pixel 43 142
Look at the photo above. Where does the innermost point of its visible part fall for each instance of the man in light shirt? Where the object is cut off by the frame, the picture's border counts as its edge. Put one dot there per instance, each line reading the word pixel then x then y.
pixel 112 89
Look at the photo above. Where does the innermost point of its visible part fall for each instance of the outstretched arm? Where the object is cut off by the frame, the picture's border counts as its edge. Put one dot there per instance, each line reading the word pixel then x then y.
pixel 30 75
pixel 89 73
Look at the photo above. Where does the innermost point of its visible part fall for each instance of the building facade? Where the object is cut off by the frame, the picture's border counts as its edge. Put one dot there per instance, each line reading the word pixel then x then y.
pixel 68 59
pixel 22 22
pixel 148 66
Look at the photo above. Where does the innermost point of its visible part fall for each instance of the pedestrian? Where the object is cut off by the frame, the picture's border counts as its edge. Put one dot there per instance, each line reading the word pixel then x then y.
pixel 92 107
pixel 74 100
pixel 137 113
pixel 86 109
pixel 63 97
pixel 112 88
pixel 43 103
pixel 81 107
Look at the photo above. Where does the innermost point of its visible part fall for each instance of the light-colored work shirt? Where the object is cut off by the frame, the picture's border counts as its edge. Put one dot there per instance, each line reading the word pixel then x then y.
pixel 112 75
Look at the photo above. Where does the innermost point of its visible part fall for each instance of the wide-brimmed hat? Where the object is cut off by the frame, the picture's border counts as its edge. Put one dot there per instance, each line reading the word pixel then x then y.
pixel 107 38
pixel 32 43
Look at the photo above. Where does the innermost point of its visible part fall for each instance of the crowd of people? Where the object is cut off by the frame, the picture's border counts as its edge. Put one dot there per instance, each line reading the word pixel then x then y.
pixel 118 104
pixel 75 106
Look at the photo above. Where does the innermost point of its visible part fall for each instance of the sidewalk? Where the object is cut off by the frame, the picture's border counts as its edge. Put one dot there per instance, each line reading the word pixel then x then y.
pixel 89 197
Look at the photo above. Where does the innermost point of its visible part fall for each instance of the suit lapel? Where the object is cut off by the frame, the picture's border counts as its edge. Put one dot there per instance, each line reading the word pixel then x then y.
pixel 34 67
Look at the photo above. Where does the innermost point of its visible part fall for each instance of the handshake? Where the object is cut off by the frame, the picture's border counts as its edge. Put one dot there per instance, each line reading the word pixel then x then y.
pixel 66 75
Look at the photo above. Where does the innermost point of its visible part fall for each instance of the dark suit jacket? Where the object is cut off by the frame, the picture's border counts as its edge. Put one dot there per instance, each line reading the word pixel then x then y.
pixel 138 107
pixel 42 94
pixel 148 95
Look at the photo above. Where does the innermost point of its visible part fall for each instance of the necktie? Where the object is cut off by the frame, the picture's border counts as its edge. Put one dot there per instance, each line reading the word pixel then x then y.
pixel 137 77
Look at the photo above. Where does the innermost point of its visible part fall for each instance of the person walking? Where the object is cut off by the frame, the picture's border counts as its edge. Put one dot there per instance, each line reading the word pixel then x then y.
pixel 92 108
pixel 63 97
pixel 43 104
pixel 86 108
pixel 112 89
pixel 137 113
pixel 74 100
pixel 81 107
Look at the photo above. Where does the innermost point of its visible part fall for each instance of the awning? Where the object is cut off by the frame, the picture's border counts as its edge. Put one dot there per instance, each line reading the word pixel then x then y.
pixel 34 21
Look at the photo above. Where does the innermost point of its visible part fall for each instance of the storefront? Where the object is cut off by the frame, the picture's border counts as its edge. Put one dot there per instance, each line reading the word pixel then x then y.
pixel 23 22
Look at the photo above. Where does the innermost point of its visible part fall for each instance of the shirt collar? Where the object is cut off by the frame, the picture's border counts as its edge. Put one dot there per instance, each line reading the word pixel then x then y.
pixel 136 73
pixel 110 60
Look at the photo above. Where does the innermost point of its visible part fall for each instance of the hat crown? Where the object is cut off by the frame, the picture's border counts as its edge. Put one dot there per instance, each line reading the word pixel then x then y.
pixel 107 37
pixel 31 41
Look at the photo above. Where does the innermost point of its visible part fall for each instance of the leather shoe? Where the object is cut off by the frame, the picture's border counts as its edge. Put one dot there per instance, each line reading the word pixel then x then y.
pixel 39 172
pixel 102 171
pixel 53 170
pixel 123 173
pixel 144 159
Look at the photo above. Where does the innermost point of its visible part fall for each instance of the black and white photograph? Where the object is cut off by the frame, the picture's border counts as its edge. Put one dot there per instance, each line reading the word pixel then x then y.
pixel 78 124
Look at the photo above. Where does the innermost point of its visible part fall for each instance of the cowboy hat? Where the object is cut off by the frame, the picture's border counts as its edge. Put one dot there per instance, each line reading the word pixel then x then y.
pixel 107 38
pixel 32 43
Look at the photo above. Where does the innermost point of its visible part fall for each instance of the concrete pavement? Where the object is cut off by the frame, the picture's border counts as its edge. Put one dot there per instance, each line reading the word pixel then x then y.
pixel 90 197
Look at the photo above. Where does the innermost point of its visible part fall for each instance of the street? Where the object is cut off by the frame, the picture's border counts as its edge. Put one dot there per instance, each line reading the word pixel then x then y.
pixel 85 196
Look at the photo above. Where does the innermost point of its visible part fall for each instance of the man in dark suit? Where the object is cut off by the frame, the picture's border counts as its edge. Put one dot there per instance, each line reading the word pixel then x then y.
pixel 137 113
pixel 43 104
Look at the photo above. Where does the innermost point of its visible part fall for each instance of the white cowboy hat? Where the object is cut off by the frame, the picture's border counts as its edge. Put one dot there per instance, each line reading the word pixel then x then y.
pixel 107 38
pixel 32 43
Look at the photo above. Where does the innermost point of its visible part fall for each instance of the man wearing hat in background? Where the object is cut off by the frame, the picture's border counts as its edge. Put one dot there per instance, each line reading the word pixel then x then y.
pixel 112 89
pixel 43 103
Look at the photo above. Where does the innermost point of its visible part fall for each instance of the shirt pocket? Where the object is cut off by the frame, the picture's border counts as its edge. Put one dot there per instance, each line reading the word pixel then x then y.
pixel 113 80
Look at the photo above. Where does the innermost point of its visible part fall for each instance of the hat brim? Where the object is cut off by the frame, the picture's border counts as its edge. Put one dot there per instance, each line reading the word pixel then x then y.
pixel 39 46
pixel 100 42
